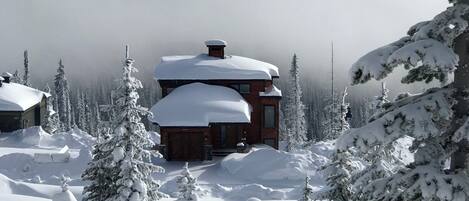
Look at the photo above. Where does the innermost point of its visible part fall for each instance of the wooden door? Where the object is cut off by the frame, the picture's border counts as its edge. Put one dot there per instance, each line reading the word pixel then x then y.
pixel 185 146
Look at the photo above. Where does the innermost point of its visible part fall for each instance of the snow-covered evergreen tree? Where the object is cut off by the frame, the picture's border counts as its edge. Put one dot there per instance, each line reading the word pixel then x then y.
pixel 16 78
pixel 80 111
pixel 307 191
pixel 435 119
pixel 336 111
pixel 26 75
pixel 295 110
pixel 50 121
pixel 88 114
pixel 187 185
pixel 339 173
pixel 62 98
pixel 121 168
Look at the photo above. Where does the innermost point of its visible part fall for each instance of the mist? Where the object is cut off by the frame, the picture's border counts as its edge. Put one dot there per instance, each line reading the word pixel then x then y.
pixel 90 35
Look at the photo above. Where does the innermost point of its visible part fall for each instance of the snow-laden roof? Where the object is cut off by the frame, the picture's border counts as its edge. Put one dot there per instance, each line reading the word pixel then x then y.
pixel 204 67
pixel 198 105
pixel 17 97
pixel 271 91
pixel 215 42
pixel 7 74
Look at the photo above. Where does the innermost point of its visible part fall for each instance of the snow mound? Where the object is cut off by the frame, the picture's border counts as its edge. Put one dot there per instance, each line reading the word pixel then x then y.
pixel 199 104
pixel 64 196
pixel 248 191
pixel 13 197
pixel 268 164
pixel 37 137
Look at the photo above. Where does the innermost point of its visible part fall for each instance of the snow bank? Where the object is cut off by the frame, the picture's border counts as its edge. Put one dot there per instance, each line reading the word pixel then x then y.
pixel 204 67
pixel 61 156
pixel 13 197
pixel 64 196
pixel 17 97
pixel 248 191
pixel 271 91
pixel 199 104
pixel 268 164
pixel 37 137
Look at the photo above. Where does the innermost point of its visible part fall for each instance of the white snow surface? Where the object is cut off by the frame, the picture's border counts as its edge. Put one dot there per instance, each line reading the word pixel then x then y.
pixel 267 164
pixel 216 42
pixel 64 196
pixel 204 67
pixel 271 91
pixel 199 104
pixel 17 97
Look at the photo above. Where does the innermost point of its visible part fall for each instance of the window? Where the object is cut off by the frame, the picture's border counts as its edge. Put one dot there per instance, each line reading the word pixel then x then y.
pixel 244 88
pixel 269 116
pixel 222 136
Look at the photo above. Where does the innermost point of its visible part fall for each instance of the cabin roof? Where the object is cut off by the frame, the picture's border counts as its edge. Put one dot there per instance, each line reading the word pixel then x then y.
pixel 18 97
pixel 198 105
pixel 204 67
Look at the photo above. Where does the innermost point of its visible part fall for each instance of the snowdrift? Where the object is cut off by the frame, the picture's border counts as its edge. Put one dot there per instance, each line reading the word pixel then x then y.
pixel 268 164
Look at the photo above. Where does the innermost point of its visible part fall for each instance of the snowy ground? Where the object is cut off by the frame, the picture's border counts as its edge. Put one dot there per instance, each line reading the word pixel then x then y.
pixel 264 173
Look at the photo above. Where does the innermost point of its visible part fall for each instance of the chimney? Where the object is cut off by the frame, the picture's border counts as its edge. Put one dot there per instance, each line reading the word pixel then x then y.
pixel 6 77
pixel 216 48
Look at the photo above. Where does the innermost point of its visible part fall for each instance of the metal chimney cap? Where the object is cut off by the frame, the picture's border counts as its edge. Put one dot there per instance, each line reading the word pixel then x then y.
pixel 216 42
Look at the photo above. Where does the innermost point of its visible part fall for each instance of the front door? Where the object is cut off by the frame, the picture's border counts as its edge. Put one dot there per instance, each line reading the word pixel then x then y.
pixel 185 146
pixel 226 136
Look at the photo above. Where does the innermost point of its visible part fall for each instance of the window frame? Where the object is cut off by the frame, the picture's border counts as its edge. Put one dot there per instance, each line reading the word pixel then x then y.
pixel 248 88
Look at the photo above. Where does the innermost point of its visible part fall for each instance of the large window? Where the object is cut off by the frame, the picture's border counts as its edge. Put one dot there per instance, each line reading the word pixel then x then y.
pixel 269 116
pixel 222 136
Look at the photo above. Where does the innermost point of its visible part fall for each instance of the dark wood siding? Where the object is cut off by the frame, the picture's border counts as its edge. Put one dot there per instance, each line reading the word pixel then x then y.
pixel 11 121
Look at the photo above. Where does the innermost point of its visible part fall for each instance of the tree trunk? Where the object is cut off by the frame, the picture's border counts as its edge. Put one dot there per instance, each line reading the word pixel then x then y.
pixel 461 109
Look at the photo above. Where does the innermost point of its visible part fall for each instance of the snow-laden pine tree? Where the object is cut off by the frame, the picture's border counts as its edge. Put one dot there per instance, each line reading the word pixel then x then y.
pixel 335 122
pixel 127 151
pixel 16 78
pixel 307 191
pixel 436 119
pixel 80 113
pixel 50 122
pixel 339 173
pixel 26 75
pixel 187 185
pixel 88 114
pixel 62 98
pixel 295 110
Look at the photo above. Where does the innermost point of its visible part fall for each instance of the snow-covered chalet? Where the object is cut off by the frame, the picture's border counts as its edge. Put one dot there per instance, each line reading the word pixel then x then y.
pixel 20 106
pixel 214 103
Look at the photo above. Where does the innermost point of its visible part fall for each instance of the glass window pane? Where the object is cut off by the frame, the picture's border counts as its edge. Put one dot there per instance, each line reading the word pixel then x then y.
pixel 269 116
pixel 244 88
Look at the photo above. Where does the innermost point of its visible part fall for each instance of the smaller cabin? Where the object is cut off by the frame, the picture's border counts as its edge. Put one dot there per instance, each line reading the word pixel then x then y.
pixel 20 106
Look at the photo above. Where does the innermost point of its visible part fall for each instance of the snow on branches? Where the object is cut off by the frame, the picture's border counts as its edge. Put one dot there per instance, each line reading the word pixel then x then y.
pixel 426 51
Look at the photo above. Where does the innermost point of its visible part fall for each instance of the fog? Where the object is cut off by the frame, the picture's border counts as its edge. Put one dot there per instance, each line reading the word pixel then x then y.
pixel 89 35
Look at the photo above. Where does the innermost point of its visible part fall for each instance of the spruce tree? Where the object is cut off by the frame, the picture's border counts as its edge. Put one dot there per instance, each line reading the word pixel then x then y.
pixel 335 116
pixel 16 78
pixel 62 99
pixel 295 110
pixel 121 167
pixel 26 75
pixel 50 121
pixel 437 119
pixel 307 191
pixel 187 185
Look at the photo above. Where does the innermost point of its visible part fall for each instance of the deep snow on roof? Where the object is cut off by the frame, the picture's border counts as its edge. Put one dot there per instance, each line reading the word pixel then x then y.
pixel 204 67
pixel 271 91
pixel 198 105
pixel 17 97
pixel 215 42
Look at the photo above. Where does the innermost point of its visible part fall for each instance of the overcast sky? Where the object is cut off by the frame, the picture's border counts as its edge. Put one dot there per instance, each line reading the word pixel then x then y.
pixel 90 34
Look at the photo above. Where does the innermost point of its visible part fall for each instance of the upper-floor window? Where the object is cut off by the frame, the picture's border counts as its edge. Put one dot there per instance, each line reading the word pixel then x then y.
pixel 244 88
pixel 269 116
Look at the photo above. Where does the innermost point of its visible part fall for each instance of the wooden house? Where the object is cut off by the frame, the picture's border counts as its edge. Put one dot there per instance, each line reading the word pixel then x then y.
pixel 212 103
pixel 20 106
